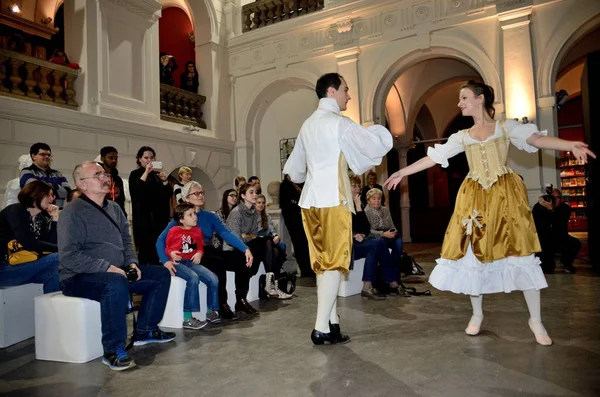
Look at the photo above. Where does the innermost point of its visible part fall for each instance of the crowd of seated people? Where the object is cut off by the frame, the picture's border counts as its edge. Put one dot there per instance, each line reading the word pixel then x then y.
pixel 81 244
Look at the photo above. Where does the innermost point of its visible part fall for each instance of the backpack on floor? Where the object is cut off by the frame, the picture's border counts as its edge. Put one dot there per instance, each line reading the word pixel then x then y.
pixel 409 267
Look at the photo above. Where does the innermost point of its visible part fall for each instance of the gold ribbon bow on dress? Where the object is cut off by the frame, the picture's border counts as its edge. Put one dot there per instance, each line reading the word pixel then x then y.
pixel 468 223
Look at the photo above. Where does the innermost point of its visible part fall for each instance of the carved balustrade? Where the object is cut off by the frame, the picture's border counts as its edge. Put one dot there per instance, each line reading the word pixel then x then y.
pixel 267 12
pixel 34 79
pixel 180 106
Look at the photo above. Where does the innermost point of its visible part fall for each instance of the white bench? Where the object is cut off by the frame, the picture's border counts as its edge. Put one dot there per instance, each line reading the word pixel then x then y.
pixel 173 315
pixel 352 282
pixel 67 329
pixel 17 313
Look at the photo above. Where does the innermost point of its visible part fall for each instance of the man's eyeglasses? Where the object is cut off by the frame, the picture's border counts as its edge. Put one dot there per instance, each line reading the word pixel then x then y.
pixel 196 194
pixel 99 176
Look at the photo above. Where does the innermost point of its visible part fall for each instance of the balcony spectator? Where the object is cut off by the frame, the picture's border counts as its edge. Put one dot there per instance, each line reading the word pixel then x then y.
pixel 32 223
pixel 41 156
pixel 109 157
pixel 189 78
pixel 168 65
pixel 151 203
pixel 185 176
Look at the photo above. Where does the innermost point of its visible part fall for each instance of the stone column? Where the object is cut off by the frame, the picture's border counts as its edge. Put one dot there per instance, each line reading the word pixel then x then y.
pixel 404 197
pixel 519 85
pixel 347 63
pixel 549 173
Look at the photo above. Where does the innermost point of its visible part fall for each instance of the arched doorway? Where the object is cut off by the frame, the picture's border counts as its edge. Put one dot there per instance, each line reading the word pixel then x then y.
pixel 212 196
pixel 576 91
pixel 177 38
pixel 426 113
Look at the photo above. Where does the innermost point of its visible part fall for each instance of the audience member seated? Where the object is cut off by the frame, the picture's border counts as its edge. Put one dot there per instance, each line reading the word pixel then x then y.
pixel 239 181
pixel 12 189
pixel 542 217
pixel 374 249
pixel 97 262
pixel 167 65
pixel 185 176
pixel 382 225
pixel 228 202
pixel 30 223
pixel 41 155
pixel 267 230
pixel 218 262
pixel 109 157
pixel 189 78
pixel 561 241
pixel 371 184
pixel 244 222
pixel 254 181
pixel 185 249
pixel 151 203
pixel 289 196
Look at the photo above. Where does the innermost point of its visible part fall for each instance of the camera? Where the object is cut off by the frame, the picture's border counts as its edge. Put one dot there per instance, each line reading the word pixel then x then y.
pixel 131 273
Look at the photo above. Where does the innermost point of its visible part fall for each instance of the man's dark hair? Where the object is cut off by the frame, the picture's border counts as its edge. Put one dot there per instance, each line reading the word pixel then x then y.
pixel 328 80
pixel 252 179
pixel 33 193
pixel 35 148
pixel 106 150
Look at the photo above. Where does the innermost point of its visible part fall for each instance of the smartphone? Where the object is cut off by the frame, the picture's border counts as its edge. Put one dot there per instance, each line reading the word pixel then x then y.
pixel 157 165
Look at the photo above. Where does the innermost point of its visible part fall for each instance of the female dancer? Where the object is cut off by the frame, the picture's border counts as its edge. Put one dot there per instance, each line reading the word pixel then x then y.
pixel 491 239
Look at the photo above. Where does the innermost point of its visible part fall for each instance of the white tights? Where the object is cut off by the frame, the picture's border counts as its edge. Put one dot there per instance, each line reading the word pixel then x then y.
pixel 328 284
pixel 532 298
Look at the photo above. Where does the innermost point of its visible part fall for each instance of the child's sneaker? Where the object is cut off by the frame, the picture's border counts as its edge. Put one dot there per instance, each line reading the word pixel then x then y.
pixel 194 323
pixel 213 317
pixel 119 360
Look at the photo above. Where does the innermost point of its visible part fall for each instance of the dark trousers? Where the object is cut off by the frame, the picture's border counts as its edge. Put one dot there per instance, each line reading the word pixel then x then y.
pixel 300 243
pixel 113 290
pixel 568 247
pixel 219 262
pixel 375 252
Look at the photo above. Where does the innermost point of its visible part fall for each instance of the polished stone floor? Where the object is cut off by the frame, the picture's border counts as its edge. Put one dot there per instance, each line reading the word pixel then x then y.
pixel 400 347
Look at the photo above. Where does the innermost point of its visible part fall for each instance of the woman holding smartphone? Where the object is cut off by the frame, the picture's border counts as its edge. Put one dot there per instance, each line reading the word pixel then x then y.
pixel 151 203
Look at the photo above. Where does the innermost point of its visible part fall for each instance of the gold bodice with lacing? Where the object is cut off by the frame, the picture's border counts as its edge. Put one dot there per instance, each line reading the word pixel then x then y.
pixel 487 160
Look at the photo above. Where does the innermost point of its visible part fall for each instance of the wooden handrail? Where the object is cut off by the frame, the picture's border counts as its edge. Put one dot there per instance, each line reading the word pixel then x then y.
pixel 267 12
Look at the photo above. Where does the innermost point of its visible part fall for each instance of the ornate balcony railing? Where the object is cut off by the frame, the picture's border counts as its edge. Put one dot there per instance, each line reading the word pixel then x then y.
pixel 180 106
pixel 267 12
pixel 37 80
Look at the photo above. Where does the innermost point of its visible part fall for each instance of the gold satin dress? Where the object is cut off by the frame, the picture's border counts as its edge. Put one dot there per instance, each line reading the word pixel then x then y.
pixel 491 239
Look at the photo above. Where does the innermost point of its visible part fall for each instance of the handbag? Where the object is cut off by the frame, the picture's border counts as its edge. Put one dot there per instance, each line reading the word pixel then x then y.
pixel 17 255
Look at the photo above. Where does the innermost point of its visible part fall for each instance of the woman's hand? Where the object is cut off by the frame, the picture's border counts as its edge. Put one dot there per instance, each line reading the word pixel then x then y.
pixel 249 258
pixel 175 257
pixel 249 236
pixel 276 239
pixel 171 268
pixel 359 237
pixel 389 234
pixel 162 176
pixel 580 151
pixel 53 211
pixel 393 180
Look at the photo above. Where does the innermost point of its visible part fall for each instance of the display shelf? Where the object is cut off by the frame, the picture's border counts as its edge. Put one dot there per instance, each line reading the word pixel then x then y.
pixel 573 182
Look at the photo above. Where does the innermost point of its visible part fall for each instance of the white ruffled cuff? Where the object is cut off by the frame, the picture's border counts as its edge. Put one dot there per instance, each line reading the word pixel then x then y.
pixel 435 153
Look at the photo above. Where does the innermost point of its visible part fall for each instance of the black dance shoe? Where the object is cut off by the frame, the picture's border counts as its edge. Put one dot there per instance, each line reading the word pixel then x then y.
pixel 336 333
pixel 322 338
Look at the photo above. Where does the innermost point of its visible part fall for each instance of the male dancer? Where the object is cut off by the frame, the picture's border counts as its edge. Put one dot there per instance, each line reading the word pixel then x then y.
pixel 327 144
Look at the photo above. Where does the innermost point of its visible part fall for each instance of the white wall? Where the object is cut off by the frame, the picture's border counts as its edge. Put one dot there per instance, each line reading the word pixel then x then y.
pixel 282 119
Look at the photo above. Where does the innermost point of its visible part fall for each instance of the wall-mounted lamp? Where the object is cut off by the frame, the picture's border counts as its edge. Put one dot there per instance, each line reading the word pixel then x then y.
pixel 46 20
pixel 192 37
pixel 15 9
pixel 525 120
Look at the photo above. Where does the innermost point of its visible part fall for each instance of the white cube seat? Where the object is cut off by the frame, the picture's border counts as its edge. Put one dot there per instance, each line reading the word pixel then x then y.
pixel 352 282
pixel 252 291
pixel 67 329
pixel 173 315
pixel 17 313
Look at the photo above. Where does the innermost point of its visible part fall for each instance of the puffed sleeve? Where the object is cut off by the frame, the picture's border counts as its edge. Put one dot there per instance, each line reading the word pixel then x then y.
pixel 519 133
pixel 363 147
pixel 441 153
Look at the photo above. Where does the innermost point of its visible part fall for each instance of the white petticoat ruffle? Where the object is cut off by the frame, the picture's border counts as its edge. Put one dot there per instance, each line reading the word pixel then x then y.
pixel 471 277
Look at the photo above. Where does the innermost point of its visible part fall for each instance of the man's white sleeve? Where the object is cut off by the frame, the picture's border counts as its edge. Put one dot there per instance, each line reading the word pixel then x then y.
pixel 363 147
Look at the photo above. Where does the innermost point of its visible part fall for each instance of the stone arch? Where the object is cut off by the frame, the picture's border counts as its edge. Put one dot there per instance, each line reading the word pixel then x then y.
pixel 445 47
pixel 182 5
pixel 571 30
pixel 204 18
pixel 213 197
